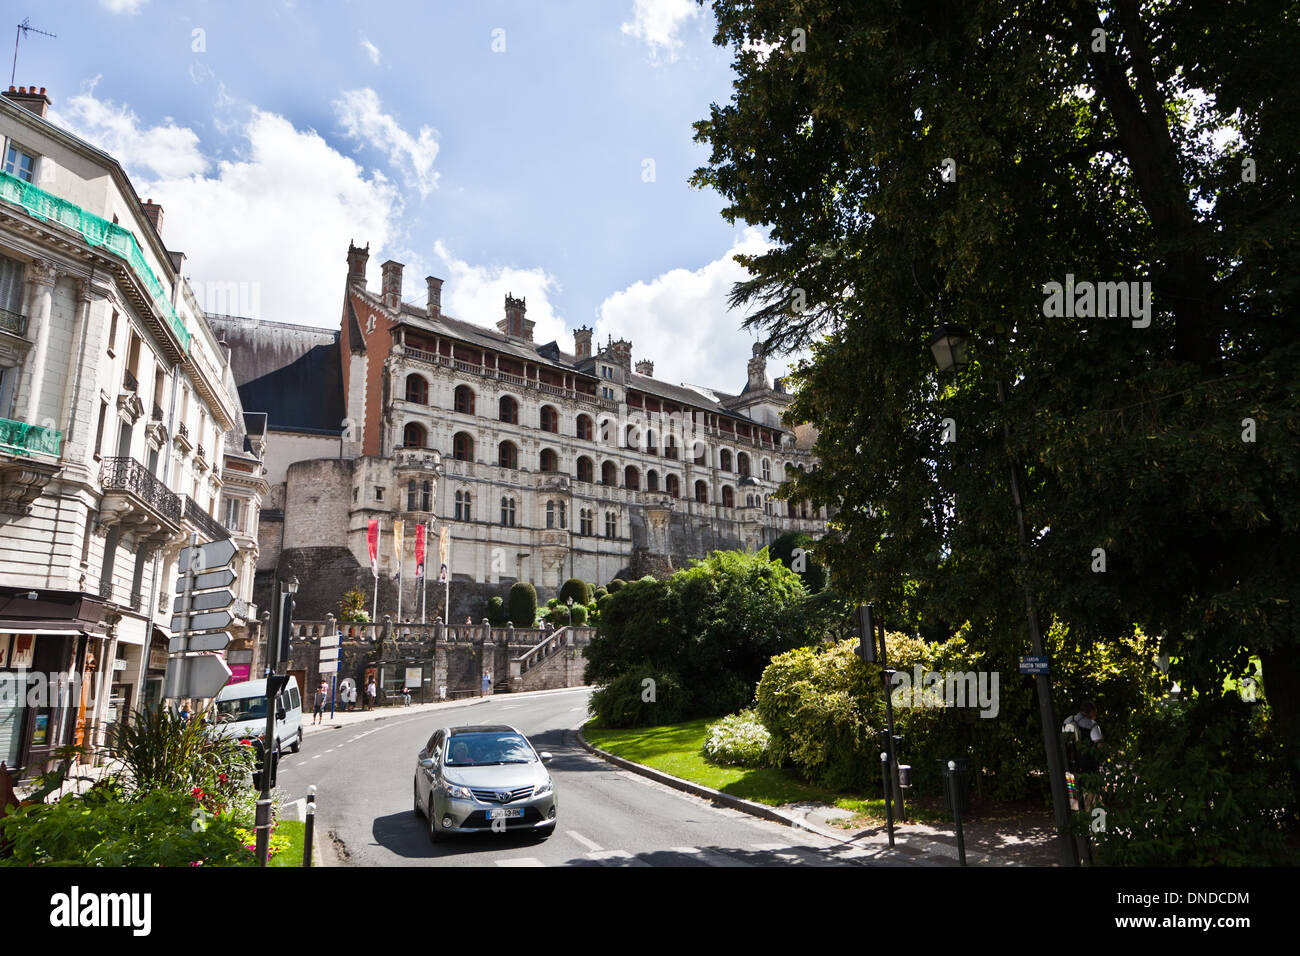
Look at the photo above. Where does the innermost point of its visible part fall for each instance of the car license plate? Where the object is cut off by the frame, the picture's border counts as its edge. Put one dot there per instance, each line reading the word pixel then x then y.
pixel 505 814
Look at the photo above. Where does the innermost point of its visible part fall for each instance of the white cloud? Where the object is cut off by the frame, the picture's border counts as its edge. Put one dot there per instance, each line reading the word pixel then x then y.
pixel 477 294
pixel 680 321
pixel 364 120
pixel 123 6
pixel 276 220
pixel 656 24
pixel 372 51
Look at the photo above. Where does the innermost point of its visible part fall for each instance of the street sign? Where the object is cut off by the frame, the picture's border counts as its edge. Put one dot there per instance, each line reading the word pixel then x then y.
pixel 1033 665
pixel 329 640
pixel 211 621
pixel 203 676
pixel 330 667
pixel 212 579
pixel 213 555
pixel 329 653
pixel 207 601
pixel 208 641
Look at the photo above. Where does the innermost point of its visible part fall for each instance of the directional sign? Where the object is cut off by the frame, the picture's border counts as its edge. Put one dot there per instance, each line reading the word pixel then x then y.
pixel 204 675
pixel 214 554
pixel 331 667
pixel 206 601
pixel 1033 665
pixel 329 640
pixel 212 579
pixel 211 621
pixel 211 641
pixel 329 653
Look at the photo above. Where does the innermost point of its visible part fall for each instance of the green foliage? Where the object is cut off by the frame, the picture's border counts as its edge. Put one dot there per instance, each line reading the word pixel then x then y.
pixel 558 616
pixel 158 828
pixel 352 608
pixel 579 615
pixel 629 701
pixel 739 740
pixel 615 585
pixel 496 612
pixel 575 588
pixel 713 626
pixel 598 593
pixel 523 604
pixel 1201 784
pixel 813 573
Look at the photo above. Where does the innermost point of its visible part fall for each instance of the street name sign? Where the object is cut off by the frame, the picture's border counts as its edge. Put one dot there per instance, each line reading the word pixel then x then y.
pixel 213 555
pixel 220 578
pixel 202 677
pixel 1033 665
pixel 208 621
pixel 329 667
pixel 206 601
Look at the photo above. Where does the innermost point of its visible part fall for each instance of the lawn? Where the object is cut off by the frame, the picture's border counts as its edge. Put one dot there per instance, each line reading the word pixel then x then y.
pixel 291 855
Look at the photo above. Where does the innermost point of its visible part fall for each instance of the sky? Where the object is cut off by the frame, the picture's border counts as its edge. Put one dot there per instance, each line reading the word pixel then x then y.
pixel 541 149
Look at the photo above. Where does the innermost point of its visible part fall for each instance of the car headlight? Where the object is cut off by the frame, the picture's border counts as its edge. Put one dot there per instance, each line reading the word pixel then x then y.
pixel 456 791
pixel 545 788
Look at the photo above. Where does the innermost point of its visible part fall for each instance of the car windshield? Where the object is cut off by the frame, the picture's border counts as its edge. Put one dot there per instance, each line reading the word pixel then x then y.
pixel 487 749
pixel 240 708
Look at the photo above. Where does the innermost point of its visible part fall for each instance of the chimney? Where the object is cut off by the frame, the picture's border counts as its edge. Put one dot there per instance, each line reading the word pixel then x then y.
pixel 392 283
pixel 758 379
pixel 29 100
pixel 515 324
pixel 435 296
pixel 646 368
pixel 622 350
pixel 153 212
pixel 357 259
pixel 582 343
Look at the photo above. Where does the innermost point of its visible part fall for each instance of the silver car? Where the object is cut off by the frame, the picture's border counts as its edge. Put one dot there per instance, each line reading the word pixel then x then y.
pixel 472 779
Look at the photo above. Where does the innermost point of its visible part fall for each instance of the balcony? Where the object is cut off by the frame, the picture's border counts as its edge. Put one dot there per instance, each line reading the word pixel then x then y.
pixel 203 522
pixel 431 358
pixel 157 414
pixel 22 476
pixel 182 438
pixel 129 382
pixel 14 322
pixel 137 502
pixel 19 438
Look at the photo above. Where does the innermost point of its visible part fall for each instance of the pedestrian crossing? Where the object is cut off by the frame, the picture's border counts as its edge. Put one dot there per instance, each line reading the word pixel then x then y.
pixel 755 854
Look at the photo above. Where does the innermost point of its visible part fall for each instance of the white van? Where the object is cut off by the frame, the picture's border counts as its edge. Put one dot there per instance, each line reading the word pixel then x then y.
pixel 240 709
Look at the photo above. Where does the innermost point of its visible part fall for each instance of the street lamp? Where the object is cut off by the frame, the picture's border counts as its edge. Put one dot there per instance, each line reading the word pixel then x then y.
pixel 948 343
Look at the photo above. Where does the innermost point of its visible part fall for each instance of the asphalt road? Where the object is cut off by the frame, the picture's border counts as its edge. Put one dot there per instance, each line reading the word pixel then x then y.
pixel 607 816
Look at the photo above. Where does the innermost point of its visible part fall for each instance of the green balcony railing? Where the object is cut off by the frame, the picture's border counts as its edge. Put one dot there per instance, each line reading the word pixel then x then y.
pixel 19 438
pixel 97 232
pixel 14 322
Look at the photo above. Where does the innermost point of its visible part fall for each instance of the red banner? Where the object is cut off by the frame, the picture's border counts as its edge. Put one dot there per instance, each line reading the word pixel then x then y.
pixel 419 550
pixel 372 538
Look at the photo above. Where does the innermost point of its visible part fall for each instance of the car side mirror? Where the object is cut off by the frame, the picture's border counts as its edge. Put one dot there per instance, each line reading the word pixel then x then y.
pixel 546 758
pixel 280 715
pixel 427 764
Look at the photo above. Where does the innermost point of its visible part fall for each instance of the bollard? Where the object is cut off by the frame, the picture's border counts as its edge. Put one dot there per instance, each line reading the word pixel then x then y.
pixel 263 827
pixel 889 803
pixel 956 810
pixel 311 826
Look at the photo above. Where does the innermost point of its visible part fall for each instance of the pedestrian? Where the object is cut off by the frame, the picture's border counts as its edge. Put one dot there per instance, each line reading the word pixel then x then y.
pixel 186 712
pixel 406 697
pixel 372 693
pixel 1083 747
pixel 322 698
pixel 487 683
pixel 469 620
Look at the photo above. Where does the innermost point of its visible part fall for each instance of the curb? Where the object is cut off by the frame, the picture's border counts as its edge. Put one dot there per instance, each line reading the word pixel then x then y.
pixel 393 711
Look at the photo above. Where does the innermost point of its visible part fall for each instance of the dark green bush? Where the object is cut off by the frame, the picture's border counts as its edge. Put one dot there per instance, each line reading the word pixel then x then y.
pixel 159 751
pixel 579 615
pixel 523 604
pixel 624 701
pixel 814 575
pixel 575 588
pixel 558 617
pixel 615 585
pixel 598 593
pixel 496 613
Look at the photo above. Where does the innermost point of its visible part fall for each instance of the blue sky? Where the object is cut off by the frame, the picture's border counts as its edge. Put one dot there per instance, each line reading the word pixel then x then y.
pixel 538 148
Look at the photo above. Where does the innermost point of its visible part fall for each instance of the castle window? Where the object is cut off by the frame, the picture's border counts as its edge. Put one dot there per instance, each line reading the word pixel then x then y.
pixel 790 510
pixel 670 448
pixel 586 470
pixel 550 419
pixel 585 520
pixel 631 477
pixel 584 427
pixel 508 512
pixel 411 495
pixel 767 470
pixel 673 486
pixel 728 497
pixel 650 443
pixel 417 389
pixel 549 460
pixel 652 480
pixel 701 492
pixel 507 455
pixel 609 474
pixel 563 519
pixel 462 506
pixel 462 446
pixel 426 496
pixel 611 525
pixel 724 460
pixel 509 410
pixel 550 514
pixel 465 399
pixel 742 464
pixel 413 436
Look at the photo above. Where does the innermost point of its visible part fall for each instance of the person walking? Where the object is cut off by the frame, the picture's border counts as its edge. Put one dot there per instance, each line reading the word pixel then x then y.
pixel 322 699
pixel 487 684
pixel 1084 745
pixel 372 692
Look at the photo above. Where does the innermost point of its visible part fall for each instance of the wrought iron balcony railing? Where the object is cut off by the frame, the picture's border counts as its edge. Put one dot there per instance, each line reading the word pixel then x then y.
pixel 203 521
pixel 183 430
pixel 127 474
pixel 14 322
pixel 203 452
pixel 19 438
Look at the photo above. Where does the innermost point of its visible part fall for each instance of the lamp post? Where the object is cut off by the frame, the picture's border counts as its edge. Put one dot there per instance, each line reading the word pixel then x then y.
pixel 570 603
pixel 277 639
pixel 949 345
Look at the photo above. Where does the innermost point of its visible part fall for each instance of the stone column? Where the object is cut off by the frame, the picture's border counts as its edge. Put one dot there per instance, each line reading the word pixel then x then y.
pixel 72 387
pixel 42 274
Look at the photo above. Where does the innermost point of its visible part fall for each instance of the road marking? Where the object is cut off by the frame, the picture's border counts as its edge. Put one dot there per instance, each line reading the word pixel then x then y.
pixel 521 861
pixel 316 757
pixel 625 858
pixel 589 844
pixel 710 857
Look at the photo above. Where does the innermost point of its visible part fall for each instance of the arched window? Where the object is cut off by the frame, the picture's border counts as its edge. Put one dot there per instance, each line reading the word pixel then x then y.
pixel 550 514
pixel 650 443
pixel 509 410
pixel 426 496
pixel 724 460
pixel 508 512
pixel 417 389
pixel 413 436
pixel 632 437
pixel 507 455
pixel 702 492
pixel 701 452
pixel 728 497
pixel 767 470
pixel 609 474
pixel 611 524
pixel 670 448
pixel 602 427
pixel 465 399
pixel 462 506
pixel 550 419
pixel 412 495
pixel 652 480
pixel 631 477
pixel 673 486
pixel 742 464
pixel 583 429
pixel 462 446
pixel 549 460
pixel 586 470
pixel 749 501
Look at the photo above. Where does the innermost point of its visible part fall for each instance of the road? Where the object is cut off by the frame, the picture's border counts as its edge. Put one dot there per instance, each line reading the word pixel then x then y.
pixel 607 816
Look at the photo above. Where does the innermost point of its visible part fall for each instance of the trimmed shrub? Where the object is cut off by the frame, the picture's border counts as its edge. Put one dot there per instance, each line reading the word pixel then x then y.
pixel 597 594
pixel 575 588
pixel 628 701
pixel 558 617
pixel 523 604
pixel 615 585
pixel 579 615
pixel 496 613
pixel 740 740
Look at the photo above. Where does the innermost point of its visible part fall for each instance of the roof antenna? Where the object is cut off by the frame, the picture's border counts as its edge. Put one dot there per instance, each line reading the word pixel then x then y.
pixel 24 28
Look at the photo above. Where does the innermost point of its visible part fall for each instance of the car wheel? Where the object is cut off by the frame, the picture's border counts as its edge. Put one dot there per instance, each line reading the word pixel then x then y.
pixel 297 744
pixel 435 835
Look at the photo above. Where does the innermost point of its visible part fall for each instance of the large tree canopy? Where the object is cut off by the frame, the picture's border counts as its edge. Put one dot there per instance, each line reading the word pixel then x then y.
pixel 917 163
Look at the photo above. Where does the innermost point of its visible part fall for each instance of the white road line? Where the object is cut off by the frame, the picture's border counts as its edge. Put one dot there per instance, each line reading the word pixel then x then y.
pixel 622 855
pixel 316 757
pixel 589 844
pixel 521 861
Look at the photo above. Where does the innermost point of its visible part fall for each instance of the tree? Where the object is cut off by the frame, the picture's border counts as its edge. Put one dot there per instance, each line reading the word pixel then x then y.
pixel 915 164
pixel 523 604
pixel 352 608
pixel 784 549
pixel 575 588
